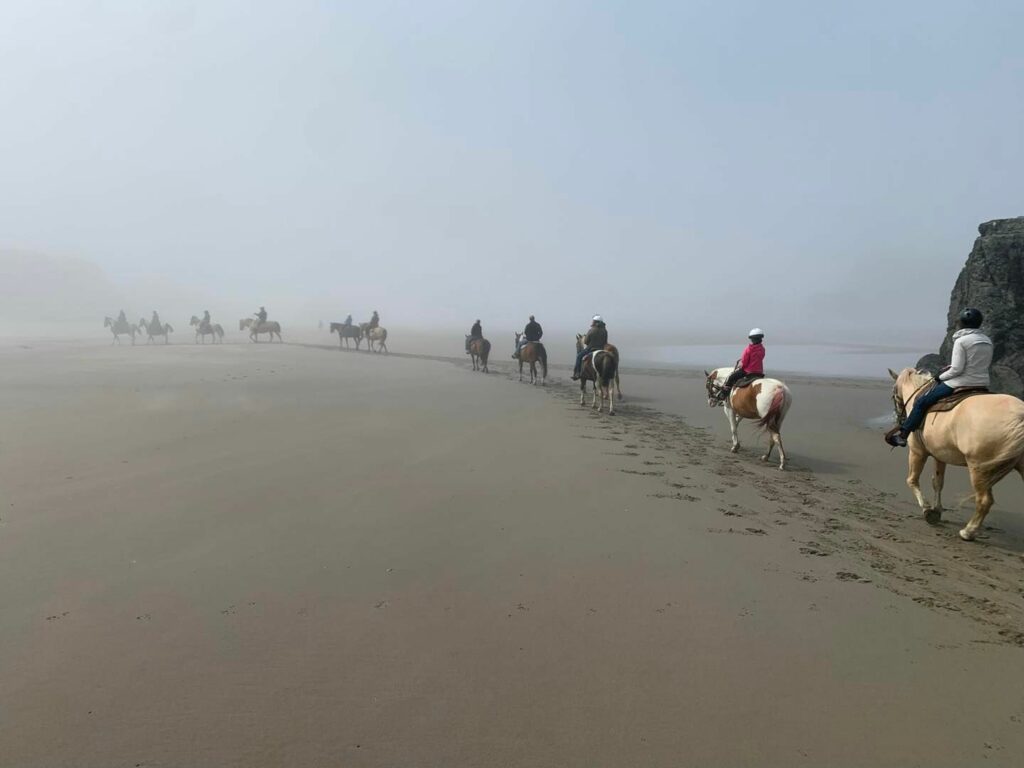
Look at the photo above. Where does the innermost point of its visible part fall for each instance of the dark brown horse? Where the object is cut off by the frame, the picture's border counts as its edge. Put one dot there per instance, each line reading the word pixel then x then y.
pixel 533 352
pixel 602 368
pixel 346 332
pixel 479 351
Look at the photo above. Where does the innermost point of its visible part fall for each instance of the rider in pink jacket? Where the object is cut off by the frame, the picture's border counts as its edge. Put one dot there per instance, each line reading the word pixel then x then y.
pixel 751 363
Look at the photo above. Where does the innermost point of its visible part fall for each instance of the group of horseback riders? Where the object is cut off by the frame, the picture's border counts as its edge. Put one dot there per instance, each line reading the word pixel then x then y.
pixel 374 321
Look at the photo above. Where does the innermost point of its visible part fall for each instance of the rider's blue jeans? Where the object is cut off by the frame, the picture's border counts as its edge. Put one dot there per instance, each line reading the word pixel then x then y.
pixel 921 405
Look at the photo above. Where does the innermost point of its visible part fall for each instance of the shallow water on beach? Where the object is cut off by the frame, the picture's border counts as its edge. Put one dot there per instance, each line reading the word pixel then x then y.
pixel 812 359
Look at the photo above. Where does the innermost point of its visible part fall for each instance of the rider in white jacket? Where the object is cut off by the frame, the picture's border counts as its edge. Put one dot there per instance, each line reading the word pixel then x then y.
pixel 969 364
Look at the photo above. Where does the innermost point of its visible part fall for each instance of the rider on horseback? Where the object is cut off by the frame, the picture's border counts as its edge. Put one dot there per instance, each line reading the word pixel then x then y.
pixel 154 322
pixel 261 316
pixel 532 332
pixel 476 332
pixel 206 325
pixel 969 364
pixel 750 364
pixel 596 338
pixel 348 320
pixel 374 320
pixel 122 318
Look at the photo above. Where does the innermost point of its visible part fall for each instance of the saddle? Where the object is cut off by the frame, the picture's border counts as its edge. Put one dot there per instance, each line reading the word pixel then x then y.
pixel 959 395
pixel 746 381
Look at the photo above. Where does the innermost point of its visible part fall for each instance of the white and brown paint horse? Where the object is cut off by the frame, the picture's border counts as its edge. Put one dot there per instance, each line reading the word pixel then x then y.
pixel 983 433
pixel 479 351
pixel 375 334
pixel 155 329
pixel 602 368
pixel 347 331
pixel 270 327
pixel 120 328
pixel 766 401
pixel 202 331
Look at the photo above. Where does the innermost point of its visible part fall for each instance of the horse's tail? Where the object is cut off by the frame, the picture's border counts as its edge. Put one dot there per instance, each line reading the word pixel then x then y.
pixel 542 355
pixel 772 420
pixel 169 328
pixel 485 350
pixel 610 366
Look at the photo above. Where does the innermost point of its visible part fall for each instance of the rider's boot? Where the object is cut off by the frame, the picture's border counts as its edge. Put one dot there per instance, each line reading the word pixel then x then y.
pixel 896 438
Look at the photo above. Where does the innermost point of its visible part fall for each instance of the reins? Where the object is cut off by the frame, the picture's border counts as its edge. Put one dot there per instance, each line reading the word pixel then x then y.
pixel 901 404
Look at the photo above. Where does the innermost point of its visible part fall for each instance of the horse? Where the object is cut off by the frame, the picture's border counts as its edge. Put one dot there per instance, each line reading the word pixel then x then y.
pixel 766 401
pixel 601 367
pixel 346 332
pixel 271 327
pixel 533 352
pixel 984 434
pixel 119 327
pixel 479 351
pixel 152 331
pixel 376 334
pixel 202 331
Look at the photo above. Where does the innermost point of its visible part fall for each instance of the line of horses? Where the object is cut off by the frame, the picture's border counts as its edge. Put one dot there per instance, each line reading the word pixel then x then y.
pixel 375 336
pixel 215 331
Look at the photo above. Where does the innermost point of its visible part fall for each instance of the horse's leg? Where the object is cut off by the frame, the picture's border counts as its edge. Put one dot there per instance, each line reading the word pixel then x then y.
pixel 611 399
pixel 982 503
pixel 934 513
pixel 583 393
pixel 916 460
pixel 734 424
pixel 618 387
pixel 520 367
pixel 777 440
pixel 597 387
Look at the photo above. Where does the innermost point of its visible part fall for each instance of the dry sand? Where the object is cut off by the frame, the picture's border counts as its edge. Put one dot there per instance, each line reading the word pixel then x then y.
pixel 283 555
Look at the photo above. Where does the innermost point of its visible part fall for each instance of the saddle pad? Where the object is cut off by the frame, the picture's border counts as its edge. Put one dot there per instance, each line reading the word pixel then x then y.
pixel 746 381
pixel 958 396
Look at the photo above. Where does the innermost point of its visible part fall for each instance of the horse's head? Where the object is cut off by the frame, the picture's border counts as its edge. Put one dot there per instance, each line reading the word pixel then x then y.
pixel 194 320
pixel 579 342
pixel 108 321
pixel 243 323
pixel 905 386
pixel 714 380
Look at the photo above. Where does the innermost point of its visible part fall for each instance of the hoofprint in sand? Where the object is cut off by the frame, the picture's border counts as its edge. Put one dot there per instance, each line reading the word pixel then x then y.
pixel 402 561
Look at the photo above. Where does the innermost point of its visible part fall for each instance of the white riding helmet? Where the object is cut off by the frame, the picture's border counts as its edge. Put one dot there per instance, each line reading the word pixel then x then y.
pixel 755 332
pixel 597 319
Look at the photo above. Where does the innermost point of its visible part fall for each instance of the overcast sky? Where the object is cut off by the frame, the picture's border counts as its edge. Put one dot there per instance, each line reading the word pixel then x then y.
pixel 807 167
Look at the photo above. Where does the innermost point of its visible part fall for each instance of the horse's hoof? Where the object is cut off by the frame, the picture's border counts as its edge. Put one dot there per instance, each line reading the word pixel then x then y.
pixel 764 458
pixel 734 449
pixel 782 467
pixel 932 516
pixel 966 535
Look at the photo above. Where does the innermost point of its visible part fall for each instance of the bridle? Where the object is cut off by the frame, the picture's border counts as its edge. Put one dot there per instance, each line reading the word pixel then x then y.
pixel 900 405
pixel 714 390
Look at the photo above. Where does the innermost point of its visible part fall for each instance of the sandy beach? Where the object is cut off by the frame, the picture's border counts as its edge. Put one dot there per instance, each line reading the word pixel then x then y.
pixel 272 555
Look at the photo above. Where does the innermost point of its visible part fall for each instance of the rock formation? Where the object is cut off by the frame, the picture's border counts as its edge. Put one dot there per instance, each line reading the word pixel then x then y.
pixel 993 281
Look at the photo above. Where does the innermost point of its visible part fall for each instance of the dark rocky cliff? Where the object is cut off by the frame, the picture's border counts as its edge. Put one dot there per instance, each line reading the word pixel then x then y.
pixel 993 281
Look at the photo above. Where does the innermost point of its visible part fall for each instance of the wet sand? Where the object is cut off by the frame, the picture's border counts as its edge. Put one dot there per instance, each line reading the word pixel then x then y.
pixel 282 555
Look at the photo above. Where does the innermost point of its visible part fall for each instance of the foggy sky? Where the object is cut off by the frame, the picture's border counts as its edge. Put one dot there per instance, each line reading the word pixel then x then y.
pixel 807 168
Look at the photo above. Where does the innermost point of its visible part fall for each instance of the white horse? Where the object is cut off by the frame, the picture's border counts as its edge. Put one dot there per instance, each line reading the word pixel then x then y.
pixel 271 327
pixel 379 335
pixel 766 401
pixel 120 327
pixel 154 330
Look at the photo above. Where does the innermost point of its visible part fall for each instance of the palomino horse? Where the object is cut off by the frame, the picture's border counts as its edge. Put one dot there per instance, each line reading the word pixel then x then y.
pixel 271 327
pixel 766 401
pixel 983 433
pixel 379 335
pixel 346 332
pixel 155 329
pixel 533 352
pixel 601 367
pixel 202 331
pixel 479 351
pixel 119 328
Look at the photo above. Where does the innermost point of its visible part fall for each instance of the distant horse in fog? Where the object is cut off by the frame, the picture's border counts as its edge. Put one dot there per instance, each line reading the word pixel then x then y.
pixel 156 329
pixel 202 331
pixel 271 327
pixel 346 332
pixel 533 352
pixel 120 328
pixel 479 351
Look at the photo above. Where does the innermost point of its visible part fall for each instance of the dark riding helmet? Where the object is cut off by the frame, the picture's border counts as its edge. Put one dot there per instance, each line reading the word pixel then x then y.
pixel 971 318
